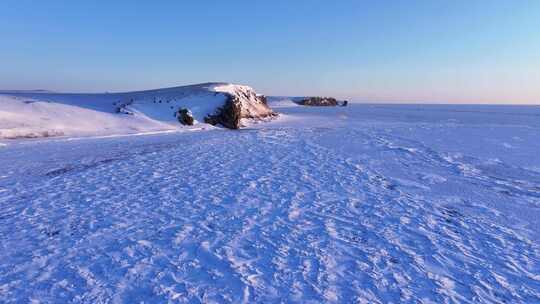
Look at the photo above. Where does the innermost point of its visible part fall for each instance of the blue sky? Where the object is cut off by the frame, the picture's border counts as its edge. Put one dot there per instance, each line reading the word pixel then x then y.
pixel 410 51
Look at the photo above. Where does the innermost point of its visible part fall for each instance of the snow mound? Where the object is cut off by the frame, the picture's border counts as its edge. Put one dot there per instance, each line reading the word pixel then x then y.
pixel 30 114
pixel 31 118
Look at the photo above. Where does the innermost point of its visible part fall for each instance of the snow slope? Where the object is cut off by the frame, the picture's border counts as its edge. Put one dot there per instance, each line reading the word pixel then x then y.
pixel 361 204
pixel 43 114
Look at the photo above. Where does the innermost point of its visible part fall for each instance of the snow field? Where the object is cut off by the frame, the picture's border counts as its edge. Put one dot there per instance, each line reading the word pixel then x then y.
pixel 318 206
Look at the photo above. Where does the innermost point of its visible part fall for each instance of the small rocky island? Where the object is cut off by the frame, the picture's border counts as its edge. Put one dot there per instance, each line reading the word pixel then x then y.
pixel 318 101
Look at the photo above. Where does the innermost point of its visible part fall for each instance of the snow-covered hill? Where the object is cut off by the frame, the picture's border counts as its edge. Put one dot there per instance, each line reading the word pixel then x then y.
pixel 43 114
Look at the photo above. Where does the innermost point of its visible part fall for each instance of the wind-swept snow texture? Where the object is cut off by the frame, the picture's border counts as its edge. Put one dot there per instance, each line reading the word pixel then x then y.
pixel 43 114
pixel 363 204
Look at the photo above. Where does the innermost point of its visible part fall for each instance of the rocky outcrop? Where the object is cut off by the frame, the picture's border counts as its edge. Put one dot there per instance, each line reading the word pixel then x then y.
pixel 241 103
pixel 185 117
pixel 228 115
pixel 318 102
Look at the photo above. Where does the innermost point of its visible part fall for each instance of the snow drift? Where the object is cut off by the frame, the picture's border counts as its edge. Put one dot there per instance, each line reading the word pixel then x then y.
pixel 40 113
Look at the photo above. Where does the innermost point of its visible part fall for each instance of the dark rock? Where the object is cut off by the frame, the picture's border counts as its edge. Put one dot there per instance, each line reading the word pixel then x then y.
pixel 345 103
pixel 185 117
pixel 228 115
pixel 122 107
pixel 318 102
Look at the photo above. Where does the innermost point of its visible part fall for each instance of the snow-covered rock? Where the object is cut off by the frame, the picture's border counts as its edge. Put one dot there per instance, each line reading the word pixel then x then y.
pixel 251 104
pixel 42 113
pixel 318 101
pixel 242 103
pixel 321 102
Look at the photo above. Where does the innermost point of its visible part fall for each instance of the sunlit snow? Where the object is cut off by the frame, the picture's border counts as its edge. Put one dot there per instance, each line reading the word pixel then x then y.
pixel 357 204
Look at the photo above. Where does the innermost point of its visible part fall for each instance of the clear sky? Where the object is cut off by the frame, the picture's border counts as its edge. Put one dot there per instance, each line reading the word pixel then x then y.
pixel 475 51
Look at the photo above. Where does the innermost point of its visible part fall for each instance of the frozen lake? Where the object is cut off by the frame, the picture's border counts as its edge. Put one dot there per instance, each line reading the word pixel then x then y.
pixel 364 204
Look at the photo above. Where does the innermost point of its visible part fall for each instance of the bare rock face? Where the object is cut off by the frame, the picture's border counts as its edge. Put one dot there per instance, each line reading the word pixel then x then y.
pixel 185 117
pixel 241 103
pixel 228 115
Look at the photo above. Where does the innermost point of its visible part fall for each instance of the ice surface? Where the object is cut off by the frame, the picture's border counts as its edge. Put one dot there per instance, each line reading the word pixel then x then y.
pixel 360 204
